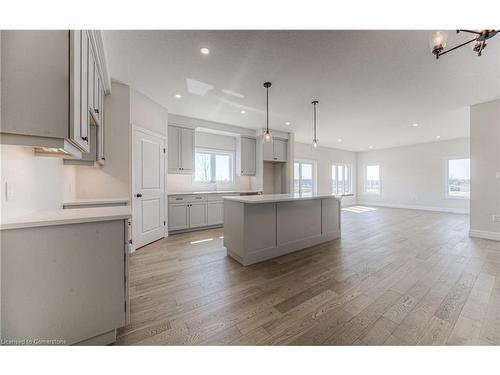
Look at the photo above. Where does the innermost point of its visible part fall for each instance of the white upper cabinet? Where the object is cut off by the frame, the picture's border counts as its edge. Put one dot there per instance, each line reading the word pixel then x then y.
pixel 45 99
pixel 276 150
pixel 280 149
pixel 180 150
pixel 246 156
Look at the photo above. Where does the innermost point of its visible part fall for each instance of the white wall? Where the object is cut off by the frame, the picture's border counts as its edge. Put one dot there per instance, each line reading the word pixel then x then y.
pixel 485 155
pixel 35 183
pixel 123 108
pixel 324 157
pixel 414 176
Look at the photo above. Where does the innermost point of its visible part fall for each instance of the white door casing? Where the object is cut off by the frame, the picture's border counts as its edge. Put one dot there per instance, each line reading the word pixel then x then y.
pixel 148 187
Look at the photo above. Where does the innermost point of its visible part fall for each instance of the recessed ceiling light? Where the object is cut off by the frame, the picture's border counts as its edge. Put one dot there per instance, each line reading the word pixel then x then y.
pixel 340 139
pixel 288 123
pixel 178 96
pixel 438 137
pixel 370 147
pixel 205 51
pixel 414 125
pixel 243 112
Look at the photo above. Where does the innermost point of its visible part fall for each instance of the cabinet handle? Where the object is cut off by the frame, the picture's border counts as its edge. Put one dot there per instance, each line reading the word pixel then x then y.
pixel 96 110
pixel 85 139
pixel 139 195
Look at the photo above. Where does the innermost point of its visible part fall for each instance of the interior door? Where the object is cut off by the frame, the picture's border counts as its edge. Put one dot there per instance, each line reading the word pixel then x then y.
pixel 149 188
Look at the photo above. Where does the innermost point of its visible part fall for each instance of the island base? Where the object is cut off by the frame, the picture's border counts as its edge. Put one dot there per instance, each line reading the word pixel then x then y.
pixel 257 232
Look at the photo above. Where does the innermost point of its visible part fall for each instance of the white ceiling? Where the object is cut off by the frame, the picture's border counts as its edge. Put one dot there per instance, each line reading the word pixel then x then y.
pixel 371 85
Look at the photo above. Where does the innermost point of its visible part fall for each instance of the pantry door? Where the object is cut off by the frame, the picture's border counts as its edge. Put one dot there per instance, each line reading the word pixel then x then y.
pixel 148 195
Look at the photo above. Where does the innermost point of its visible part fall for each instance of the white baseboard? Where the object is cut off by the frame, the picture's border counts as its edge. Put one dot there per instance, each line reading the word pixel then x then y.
pixel 484 234
pixel 412 207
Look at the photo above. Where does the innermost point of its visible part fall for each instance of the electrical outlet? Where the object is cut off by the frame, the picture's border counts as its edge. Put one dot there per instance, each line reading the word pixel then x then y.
pixel 496 218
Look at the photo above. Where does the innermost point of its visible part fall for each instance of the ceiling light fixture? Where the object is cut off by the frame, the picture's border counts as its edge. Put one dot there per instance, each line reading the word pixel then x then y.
pixel 414 125
pixel 205 51
pixel 438 137
pixel 315 137
pixel 340 140
pixel 370 147
pixel 243 112
pixel 267 135
pixel 288 123
pixel 178 96
pixel 439 39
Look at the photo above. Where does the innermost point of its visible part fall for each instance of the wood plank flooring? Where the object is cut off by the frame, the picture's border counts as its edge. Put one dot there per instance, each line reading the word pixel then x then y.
pixel 396 277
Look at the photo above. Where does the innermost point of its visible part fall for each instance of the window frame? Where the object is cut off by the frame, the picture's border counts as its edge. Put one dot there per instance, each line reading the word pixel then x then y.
pixel 349 168
pixel 365 179
pixel 213 180
pixel 447 175
pixel 314 176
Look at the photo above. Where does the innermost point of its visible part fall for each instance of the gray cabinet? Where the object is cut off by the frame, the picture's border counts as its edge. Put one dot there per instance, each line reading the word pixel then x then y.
pixel 180 150
pixel 47 85
pixel 276 151
pixel 197 215
pixel 246 156
pixel 215 213
pixel 178 216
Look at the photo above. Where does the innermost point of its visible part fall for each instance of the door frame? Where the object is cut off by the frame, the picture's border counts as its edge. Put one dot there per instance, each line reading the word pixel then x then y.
pixel 163 138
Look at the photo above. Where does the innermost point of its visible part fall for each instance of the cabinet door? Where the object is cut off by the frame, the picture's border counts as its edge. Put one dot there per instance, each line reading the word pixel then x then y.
pixel 215 213
pixel 187 150
pixel 248 156
pixel 91 81
pixel 178 217
pixel 101 137
pixel 268 151
pixel 280 150
pixel 84 72
pixel 174 138
pixel 77 66
pixel 197 215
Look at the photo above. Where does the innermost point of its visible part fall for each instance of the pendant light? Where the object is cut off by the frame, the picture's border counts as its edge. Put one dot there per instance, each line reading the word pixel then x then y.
pixel 267 135
pixel 315 138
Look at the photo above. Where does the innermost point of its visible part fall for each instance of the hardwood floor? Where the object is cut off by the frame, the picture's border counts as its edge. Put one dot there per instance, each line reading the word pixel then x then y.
pixel 397 277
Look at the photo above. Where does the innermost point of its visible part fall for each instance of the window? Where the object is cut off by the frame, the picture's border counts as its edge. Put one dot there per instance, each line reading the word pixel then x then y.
pixel 458 178
pixel 372 179
pixel 341 179
pixel 303 177
pixel 213 166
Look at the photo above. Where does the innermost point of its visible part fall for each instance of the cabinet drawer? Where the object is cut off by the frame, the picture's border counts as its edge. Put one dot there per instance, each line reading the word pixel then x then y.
pixel 219 197
pixel 187 198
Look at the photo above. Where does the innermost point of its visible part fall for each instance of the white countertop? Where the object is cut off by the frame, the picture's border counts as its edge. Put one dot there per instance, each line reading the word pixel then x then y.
pixel 212 192
pixel 67 216
pixel 103 201
pixel 272 198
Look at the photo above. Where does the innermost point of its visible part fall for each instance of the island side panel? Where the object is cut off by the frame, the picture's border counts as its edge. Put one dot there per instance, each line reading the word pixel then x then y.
pixel 234 223
pixel 260 231
pixel 298 222
pixel 330 217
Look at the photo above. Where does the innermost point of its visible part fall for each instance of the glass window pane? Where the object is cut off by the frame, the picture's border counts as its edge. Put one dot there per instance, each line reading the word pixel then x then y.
pixel 334 179
pixel 296 177
pixel 223 168
pixel 372 179
pixel 306 178
pixel 459 177
pixel 202 167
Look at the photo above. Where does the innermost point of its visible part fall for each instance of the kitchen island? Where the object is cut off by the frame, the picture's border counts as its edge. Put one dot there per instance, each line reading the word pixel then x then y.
pixel 261 227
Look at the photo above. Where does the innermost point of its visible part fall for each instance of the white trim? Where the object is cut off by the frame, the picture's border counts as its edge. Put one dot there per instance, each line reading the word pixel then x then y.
pixel 495 236
pixel 416 207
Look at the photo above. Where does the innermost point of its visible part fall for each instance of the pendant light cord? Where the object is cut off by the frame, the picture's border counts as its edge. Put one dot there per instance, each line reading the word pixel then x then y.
pixel 314 118
pixel 267 109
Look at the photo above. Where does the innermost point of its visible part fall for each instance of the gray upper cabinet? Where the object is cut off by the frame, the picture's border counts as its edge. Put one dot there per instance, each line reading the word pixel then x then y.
pixel 47 85
pixel 180 150
pixel 246 156
pixel 276 151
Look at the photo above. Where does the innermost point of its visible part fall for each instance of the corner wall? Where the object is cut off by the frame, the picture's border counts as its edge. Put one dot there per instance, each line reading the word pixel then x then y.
pixel 485 169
